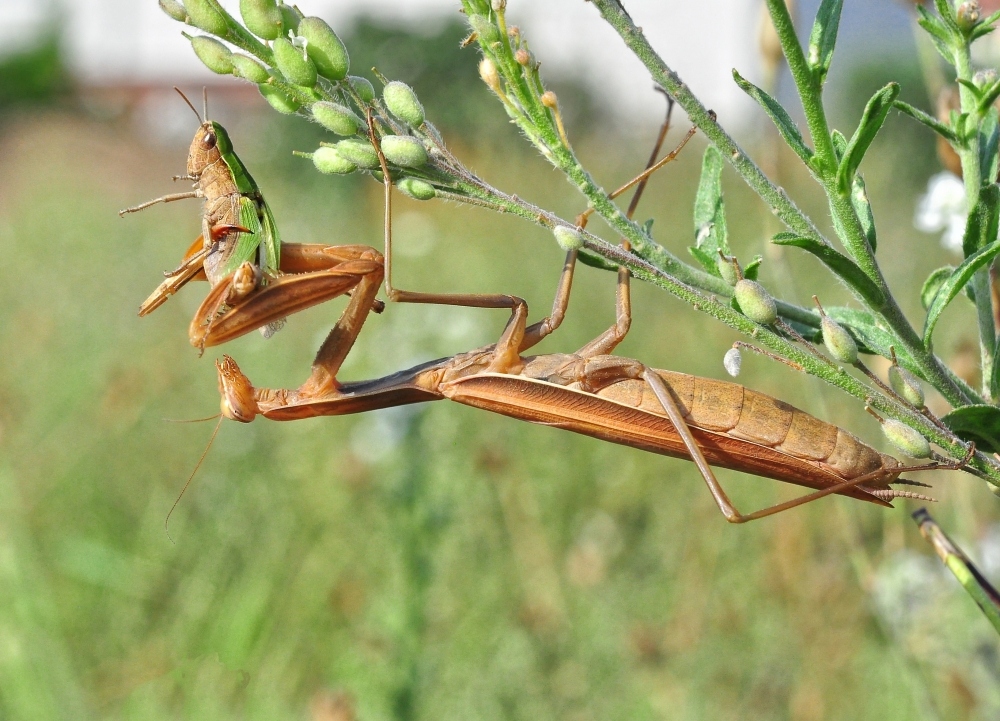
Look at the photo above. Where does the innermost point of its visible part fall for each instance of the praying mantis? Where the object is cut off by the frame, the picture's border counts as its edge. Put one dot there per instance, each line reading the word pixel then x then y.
pixel 256 279
pixel 591 392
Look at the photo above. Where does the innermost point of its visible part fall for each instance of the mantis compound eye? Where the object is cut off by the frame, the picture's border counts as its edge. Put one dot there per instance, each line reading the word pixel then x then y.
pixel 238 402
pixel 208 140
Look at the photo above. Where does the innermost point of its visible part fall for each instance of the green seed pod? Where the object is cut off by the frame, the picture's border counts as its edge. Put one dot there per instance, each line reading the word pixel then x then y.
pixel 906 439
pixel 205 16
pixel 727 270
pixel 249 69
pixel 325 49
pixel 290 17
pixel 298 69
pixel 756 303
pixel 416 188
pixel 838 341
pixel 359 152
pixel 364 89
pixel 404 151
pixel 216 56
pixel 262 18
pixel 487 31
pixel 329 161
pixel 568 238
pixel 402 102
pixel 174 9
pixel 336 118
pixel 278 100
pixel 907 385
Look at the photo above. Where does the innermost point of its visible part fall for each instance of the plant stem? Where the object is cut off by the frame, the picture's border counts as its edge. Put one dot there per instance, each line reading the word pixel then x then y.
pixel 929 365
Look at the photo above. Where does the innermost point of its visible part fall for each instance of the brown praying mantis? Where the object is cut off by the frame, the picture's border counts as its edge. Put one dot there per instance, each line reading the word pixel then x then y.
pixel 591 392
pixel 256 279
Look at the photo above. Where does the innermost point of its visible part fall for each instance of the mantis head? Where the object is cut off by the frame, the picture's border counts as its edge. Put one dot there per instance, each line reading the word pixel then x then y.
pixel 238 402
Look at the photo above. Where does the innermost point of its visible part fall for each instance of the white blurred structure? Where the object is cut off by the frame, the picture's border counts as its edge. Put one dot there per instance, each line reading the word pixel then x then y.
pixel 132 43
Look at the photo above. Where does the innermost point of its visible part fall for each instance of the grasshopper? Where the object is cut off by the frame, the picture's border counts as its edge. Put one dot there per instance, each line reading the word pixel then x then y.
pixel 590 392
pixel 240 252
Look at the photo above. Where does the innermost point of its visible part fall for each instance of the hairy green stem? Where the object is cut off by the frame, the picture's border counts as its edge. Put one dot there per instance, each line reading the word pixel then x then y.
pixel 929 365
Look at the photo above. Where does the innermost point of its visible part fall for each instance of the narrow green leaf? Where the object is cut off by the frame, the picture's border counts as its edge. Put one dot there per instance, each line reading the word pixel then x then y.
pixel 939 34
pixel 989 135
pixel 980 31
pixel 933 284
pixel 990 19
pixel 588 257
pixel 871 122
pixel 753 268
pixel 839 144
pixel 711 235
pixel 928 120
pixel 981 225
pixel 971 86
pixel 708 261
pixel 979 423
pixel 823 38
pixel 954 284
pixel 972 580
pixel 840 264
pixel 995 376
pixel 947 15
pixel 863 207
pixel 782 121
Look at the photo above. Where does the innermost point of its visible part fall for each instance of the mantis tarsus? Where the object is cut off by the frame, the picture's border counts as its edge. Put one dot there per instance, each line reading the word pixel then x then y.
pixel 256 279
pixel 590 392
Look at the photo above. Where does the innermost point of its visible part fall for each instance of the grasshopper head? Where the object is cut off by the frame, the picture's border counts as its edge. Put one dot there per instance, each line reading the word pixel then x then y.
pixel 204 150
pixel 238 402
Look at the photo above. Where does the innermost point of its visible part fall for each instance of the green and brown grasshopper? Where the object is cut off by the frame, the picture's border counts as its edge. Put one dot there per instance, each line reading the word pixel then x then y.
pixel 241 254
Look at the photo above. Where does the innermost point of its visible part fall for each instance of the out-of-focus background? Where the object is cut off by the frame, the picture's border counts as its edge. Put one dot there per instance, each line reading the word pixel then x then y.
pixel 435 562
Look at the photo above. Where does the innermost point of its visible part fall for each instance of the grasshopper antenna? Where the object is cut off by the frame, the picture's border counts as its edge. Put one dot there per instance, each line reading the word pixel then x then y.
pixel 193 109
pixel 204 100
pixel 193 420
pixel 166 521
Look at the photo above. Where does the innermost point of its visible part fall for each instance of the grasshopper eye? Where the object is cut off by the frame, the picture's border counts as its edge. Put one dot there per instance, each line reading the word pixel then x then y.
pixel 208 141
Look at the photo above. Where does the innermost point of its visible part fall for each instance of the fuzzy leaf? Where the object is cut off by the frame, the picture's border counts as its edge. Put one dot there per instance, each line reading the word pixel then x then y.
pixel 933 284
pixel 995 377
pixel 588 257
pixel 978 423
pixel 931 122
pixel 840 264
pixel 981 226
pixel 710 231
pixel 989 135
pixel 753 268
pixel 839 144
pixel 823 38
pixel 863 207
pixel 954 284
pixel 708 261
pixel 947 13
pixel 782 121
pixel 938 32
pixel 871 122
pixel 989 96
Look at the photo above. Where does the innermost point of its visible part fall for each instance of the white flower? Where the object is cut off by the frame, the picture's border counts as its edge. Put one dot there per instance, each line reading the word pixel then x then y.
pixel 943 208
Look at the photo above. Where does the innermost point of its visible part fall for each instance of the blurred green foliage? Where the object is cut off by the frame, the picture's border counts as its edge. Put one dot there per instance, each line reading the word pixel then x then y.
pixel 425 563
pixel 33 76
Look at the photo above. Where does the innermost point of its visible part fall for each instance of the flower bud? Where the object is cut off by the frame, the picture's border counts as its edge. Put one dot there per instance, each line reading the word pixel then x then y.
pixel 330 162
pixel 523 57
pixel 402 102
pixel 278 100
pixel 416 188
pixel 984 78
pixel 968 14
pixel 262 18
pixel 727 269
pixel 174 9
pixel 336 118
pixel 486 30
pixel 325 49
pixel 838 341
pixel 755 302
pixel 404 151
pixel 906 439
pixel 205 16
pixel 290 61
pixel 249 69
pixel 498 5
pixel 290 17
pixel 906 385
pixel 362 87
pixel 550 100
pixel 359 152
pixel 568 238
pixel 216 56
pixel 488 72
pixel 732 361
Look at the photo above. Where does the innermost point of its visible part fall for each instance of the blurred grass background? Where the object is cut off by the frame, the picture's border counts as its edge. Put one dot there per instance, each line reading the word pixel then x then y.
pixel 430 562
